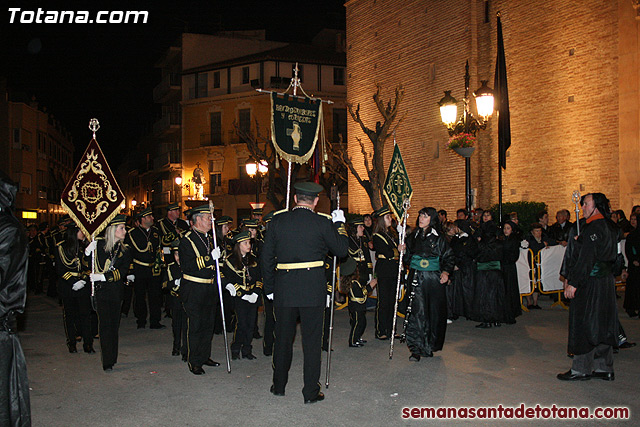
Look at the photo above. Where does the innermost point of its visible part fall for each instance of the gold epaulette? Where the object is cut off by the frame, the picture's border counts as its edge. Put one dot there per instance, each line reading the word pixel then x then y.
pixel 279 212
pixel 325 215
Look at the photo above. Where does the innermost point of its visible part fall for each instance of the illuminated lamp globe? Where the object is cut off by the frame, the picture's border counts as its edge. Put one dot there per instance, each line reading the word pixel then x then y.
pixel 448 109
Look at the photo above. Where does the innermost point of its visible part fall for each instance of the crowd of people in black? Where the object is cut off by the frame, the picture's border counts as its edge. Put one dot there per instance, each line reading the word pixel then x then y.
pixel 450 269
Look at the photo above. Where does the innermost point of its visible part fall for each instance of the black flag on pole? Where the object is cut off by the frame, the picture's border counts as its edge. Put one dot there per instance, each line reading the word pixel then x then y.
pixel 502 101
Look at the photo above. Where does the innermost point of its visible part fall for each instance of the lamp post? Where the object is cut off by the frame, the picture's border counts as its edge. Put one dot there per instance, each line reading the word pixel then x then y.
pixel 178 192
pixel 467 123
pixel 257 169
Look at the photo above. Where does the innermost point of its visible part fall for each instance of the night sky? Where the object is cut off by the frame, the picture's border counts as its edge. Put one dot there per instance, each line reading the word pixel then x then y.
pixel 80 71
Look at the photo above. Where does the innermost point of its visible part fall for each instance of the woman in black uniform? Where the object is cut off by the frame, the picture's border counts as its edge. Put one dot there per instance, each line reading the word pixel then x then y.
pixel 242 279
pixel 385 244
pixel 73 272
pixel 112 261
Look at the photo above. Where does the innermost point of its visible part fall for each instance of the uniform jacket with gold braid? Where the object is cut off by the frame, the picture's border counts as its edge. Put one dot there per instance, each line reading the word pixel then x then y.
pixel 146 251
pixel 387 254
pixel 70 269
pixel 296 243
pixel 195 258
pixel 358 296
pixel 359 251
pixel 113 265
pixel 172 232
pixel 246 280
pixel 172 273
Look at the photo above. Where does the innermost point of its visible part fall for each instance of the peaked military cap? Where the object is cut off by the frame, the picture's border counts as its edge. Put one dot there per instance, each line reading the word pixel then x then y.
pixel 172 206
pixel 268 217
pixel 200 209
pixel 251 223
pixel 382 212
pixel 225 219
pixel 308 188
pixel 118 219
pixel 356 220
pixel 348 267
pixel 187 213
pixel 242 236
pixel 257 211
pixel 144 213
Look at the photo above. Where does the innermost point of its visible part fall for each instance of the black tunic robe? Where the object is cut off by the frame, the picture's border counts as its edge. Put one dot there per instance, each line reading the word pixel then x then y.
pixel 632 291
pixel 463 281
pixel 593 314
pixel 510 255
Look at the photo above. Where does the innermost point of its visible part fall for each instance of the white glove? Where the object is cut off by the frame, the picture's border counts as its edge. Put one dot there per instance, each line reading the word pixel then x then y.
pixel 328 301
pixel 166 250
pixel 131 278
pixel 177 283
pixel 270 297
pixel 524 244
pixel 97 277
pixel 90 247
pixel 338 216
pixel 231 289
pixel 399 228
pixel 215 254
pixel 250 298
pixel 78 285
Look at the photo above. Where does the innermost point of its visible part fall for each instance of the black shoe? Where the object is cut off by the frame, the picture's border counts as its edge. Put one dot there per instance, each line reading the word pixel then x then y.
pixel 414 357
pixel 235 356
pixel 78 339
pixel 607 376
pixel 267 353
pixel 361 341
pixel 276 393
pixel 72 348
pixel 141 326
pixel 511 322
pixel 175 352
pixel 627 344
pixel 537 307
pixel 197 370
pixel 569 376
pixel 107 368
pixel 497 324
pixel 530 306
pixel 256 335
pixel 356 344
pixel 319 397
pixel 249 356
pixel 184 357
pixel 157 326
pixel 88 348
pixel 210 362
pixel 483 325
pixel 382 337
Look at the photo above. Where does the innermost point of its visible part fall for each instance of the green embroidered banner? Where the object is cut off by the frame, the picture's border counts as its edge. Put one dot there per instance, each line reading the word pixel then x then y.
pixel 397 187
pixel 295 124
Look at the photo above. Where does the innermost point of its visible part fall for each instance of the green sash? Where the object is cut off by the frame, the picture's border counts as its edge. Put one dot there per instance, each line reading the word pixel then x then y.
pixel 491 265
pixel 425 264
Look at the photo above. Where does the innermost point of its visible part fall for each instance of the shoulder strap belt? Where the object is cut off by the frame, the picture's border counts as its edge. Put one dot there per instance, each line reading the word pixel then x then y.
pixel 299 265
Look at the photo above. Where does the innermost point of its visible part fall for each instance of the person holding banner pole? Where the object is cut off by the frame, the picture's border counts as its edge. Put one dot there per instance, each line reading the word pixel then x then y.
pixel 431 261
pixel 292 264
pixel 112 258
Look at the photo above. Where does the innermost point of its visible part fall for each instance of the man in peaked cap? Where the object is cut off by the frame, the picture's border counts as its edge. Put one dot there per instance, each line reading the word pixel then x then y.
pixel 171 228
pixel 198 289
pixel 144 241
pixel 292 262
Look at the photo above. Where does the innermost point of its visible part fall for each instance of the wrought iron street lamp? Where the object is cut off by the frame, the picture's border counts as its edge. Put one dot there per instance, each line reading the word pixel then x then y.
pixel 467 123
pixel 257 170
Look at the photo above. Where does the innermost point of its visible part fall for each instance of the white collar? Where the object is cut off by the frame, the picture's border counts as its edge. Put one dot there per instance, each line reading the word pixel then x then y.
pixel 433 231
pixel 463 234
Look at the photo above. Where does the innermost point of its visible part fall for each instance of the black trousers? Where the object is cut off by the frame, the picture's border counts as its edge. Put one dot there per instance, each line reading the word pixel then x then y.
pixel 269 321
pixel 108 302
pixel 384 306
pixel 358 322
pixel 76 314
pixel 600 359
pixel 200 302
pixel 311 330
pixel 178 324
pixel 147 288
pixel 127 298
pixel 246 314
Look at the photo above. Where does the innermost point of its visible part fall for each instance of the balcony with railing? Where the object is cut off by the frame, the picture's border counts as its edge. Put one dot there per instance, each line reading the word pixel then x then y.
pixel 168 123
pixel 208 139
pixel 242 186
pixel 167 160
pixel 168 88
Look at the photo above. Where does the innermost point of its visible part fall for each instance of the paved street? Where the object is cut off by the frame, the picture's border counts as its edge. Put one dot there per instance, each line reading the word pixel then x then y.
pixel 148 387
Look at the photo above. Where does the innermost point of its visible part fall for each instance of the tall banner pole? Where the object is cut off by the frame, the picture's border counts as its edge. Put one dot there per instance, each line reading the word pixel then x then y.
pixel 224 323
pixel 405 205
pixel 333 299
pixel 576 200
